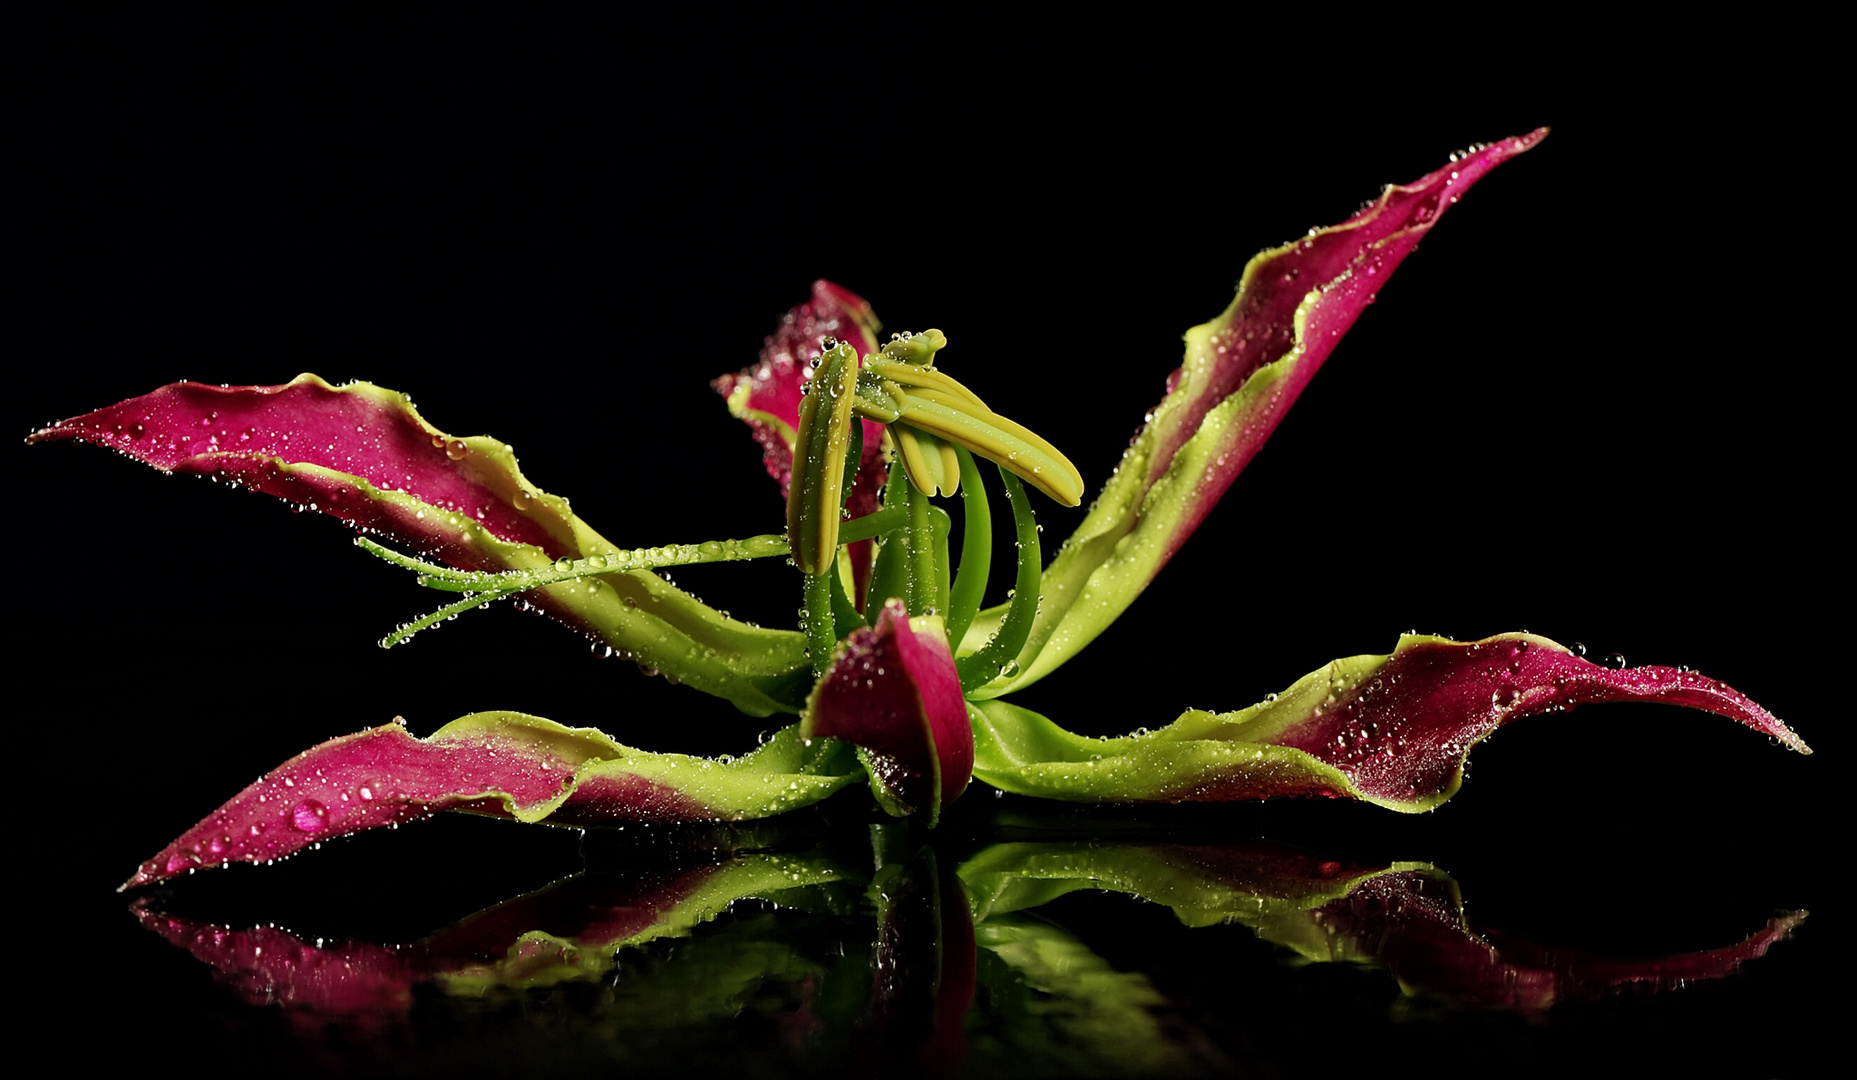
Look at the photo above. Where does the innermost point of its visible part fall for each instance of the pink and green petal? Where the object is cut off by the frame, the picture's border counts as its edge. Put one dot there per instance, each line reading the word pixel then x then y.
pixel 893 691
pixel 767 396
pixel 1391 730
pixel 363 454
pixel 499 763
pixel 1243 371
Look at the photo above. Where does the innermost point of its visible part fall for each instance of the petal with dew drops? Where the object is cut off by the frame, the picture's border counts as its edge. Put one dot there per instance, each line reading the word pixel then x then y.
pixel 1391 730
pixel 361 453
pixel 893 691
pixel 1243 371
pixel 499 763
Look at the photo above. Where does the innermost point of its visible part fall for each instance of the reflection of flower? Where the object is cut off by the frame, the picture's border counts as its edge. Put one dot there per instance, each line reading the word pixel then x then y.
pixel 1393 730
pixel 909 985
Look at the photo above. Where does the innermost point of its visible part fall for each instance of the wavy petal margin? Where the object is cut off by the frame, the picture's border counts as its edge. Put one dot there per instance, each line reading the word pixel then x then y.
pixel 893 692
pixel 1243 371
pixel 1390 730
pixel 362 453
pixel 499 763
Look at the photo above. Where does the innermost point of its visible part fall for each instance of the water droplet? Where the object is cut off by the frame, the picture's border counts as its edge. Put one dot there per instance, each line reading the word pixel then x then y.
pixel 309 816
pixel 457 450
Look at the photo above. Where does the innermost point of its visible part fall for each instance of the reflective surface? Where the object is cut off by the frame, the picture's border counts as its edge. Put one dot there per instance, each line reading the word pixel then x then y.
pixel 1002 946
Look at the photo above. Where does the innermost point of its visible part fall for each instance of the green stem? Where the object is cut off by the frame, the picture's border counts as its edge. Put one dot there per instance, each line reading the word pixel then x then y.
pixel 873 525
pixel 976 551
pixel 1002 649
pixel 405 633
pixel 820 626
pixel 890 575
pixel 920 598
pixel 447 579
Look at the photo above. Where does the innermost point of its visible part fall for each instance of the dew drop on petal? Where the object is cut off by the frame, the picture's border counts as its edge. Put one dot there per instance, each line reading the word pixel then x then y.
pixel 309 816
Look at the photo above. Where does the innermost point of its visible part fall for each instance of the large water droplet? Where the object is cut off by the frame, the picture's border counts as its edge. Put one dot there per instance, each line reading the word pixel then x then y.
pixel 309 816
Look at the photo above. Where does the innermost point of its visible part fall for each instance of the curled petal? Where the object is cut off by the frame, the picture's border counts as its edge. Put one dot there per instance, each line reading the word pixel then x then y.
pixel 499 763
pixel 345 451
pixel 893 691
pixel 363 454
pixel 1391 730
pixel 1242 373
pixel 767 396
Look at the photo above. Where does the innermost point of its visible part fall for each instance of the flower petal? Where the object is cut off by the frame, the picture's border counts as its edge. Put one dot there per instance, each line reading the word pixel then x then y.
pixel 1391 730
pixel 500 763
pixel 893 691
pixel 363 454
pixel 1242 373
pixel 767 396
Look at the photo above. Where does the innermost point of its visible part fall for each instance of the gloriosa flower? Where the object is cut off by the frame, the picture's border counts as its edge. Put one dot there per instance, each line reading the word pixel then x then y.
pixel 897 673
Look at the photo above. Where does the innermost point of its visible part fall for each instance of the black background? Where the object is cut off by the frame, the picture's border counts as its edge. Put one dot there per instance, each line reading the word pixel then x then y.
pixel 1595 404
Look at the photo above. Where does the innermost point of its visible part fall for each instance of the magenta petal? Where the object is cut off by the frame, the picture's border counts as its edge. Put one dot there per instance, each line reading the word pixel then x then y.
pixel 767 396
pixel 504 764
pixel 1401 734
pixel 363 454
pixel 1323 281
pixel 1390 730
pixel 893 691
pixel 1242 372
pixel 310 443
